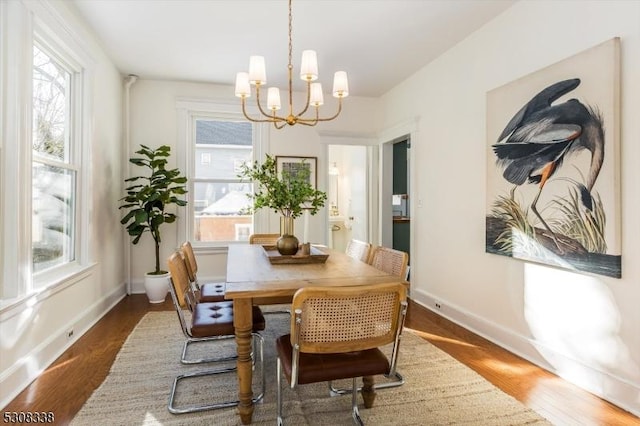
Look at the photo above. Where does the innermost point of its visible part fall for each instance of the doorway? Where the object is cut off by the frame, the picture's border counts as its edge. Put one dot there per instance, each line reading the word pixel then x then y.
pixel 396 187
pixel 348 196
pixel 400 198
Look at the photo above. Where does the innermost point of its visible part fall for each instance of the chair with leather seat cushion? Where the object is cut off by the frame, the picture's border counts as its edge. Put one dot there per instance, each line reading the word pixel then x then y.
pixel 393 262
pixel 204 292
pixel 205 316
pixel 212 321
pixel 336 333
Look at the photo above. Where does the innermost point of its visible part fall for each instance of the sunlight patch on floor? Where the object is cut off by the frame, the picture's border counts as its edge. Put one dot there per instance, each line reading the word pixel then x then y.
pixel 509 367
pixel 438 338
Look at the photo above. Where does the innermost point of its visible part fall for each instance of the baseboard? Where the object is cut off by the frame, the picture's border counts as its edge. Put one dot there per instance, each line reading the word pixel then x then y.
pixel 22 373
pixel 607 386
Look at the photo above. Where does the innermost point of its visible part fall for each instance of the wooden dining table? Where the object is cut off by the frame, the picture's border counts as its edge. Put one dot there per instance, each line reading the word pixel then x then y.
pixel 253 280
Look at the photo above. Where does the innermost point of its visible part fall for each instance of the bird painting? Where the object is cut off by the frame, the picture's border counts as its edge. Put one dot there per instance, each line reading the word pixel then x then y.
pixel 553 176
pixel 541 136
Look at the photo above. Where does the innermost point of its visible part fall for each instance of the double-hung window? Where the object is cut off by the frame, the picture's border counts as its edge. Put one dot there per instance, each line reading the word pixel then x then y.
pixel 220 200
pixel 45 151
pixel 54 163
pixel 217 144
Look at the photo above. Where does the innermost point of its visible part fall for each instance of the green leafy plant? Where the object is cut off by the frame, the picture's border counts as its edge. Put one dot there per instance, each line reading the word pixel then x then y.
pixel 150 195
pixel 284 193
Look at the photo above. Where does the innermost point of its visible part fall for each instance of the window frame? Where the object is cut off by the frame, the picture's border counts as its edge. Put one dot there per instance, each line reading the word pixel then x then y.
pixel 30 24
pixel 71 162
pixel 190 110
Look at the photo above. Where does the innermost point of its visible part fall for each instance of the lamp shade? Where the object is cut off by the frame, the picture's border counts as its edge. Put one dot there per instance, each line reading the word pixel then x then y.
pixel 243 90
pixel 309 65
pixel 316 99
pixel 273 98
pixel 257 71
pixel 340 84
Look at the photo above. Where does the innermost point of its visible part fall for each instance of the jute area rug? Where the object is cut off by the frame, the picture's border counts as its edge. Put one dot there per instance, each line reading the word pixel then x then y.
pixel 438 389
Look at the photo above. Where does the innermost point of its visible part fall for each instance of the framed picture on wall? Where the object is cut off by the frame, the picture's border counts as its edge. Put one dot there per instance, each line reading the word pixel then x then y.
pixel 294 165
pixel 553 172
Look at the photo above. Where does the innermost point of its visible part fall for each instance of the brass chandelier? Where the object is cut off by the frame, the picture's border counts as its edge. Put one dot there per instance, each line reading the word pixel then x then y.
pixel 308 73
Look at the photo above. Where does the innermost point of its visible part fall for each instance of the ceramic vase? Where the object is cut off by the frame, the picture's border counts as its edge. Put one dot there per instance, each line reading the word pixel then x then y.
pixel 157 287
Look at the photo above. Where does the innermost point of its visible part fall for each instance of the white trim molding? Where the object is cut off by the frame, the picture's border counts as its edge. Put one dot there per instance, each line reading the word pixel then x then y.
pixel 608 386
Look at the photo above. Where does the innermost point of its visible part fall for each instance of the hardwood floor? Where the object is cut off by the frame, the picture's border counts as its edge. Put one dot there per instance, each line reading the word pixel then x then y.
pixel 67 383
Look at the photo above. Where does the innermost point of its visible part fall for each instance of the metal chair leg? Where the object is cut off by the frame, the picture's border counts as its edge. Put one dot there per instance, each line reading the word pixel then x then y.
pixel 259 342
pixel 399 381
pixel 354 404
pixel 279 391
pixel 192 340
pixel 276 312
pixel 197 408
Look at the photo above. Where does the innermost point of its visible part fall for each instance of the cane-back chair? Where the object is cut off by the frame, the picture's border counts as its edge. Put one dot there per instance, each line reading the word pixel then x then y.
pixel 391 261
pixel 264 239
pixel 336 333
pixel 358 250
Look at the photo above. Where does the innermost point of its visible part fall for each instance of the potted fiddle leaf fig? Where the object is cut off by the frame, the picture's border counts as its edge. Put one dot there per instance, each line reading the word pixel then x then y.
pixel 148 199
pixel 286 194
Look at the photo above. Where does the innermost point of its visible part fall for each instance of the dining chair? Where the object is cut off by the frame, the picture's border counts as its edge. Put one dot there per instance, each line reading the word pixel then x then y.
pixel 391 261
pixel 207 292
pixel 264 239
pixel 212 321
pixel 336 333
pixel 358 250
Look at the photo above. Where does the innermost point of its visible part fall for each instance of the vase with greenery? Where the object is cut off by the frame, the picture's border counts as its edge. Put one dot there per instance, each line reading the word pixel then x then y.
pixel 149 196
pixel 285 193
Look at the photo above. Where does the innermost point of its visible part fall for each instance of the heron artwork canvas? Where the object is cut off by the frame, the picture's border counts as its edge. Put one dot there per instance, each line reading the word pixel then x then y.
pixel 552 164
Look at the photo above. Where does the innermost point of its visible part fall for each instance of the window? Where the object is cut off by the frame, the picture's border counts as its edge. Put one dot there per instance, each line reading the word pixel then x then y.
pixel 223 200
pixel 53 172
pixel 44 169
pixel 216 142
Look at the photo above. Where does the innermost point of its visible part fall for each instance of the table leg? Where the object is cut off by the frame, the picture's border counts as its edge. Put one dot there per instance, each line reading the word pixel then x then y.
pixel 368 391
pixel 243 323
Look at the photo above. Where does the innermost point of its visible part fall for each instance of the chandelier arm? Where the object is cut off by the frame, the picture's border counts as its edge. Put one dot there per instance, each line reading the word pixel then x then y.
pixel 272 118
pixel 317 119
pixel 336 114
pixel 310 121
pixel 275 123
pixel 308 99
pixel 255 120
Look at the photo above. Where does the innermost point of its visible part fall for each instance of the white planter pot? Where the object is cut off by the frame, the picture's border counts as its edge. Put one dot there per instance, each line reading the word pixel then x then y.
pixel 157 287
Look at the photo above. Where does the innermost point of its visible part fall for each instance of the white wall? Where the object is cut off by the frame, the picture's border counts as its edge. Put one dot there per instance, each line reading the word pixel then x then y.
pixel 34 333
pixel 585 328
pixel 154 121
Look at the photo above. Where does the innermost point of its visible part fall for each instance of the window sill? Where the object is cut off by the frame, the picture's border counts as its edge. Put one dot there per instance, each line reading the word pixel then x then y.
pixel 221 247
pixel 14 306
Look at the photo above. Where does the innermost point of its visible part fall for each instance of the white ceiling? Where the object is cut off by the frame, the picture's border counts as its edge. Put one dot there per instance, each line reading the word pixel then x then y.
pixel 378 42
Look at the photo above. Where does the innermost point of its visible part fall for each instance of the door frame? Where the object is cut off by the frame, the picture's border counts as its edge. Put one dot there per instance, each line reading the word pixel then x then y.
pixel 359 139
